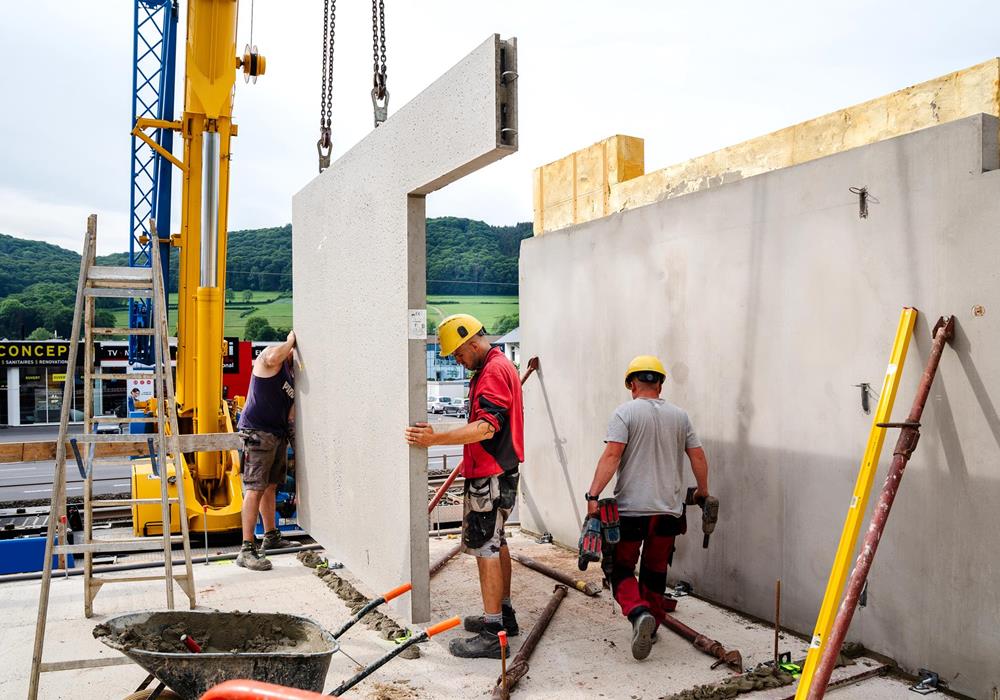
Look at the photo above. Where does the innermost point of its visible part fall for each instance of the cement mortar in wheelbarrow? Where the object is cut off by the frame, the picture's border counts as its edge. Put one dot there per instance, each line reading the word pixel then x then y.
pixel 275 648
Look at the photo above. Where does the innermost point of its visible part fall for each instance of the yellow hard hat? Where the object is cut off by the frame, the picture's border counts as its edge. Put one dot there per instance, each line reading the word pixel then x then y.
pixel 455 330
pixel 644 363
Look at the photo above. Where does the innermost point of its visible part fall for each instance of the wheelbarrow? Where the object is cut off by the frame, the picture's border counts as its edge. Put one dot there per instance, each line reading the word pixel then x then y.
pixel 191 652
pixel 257 690
pixel 276 648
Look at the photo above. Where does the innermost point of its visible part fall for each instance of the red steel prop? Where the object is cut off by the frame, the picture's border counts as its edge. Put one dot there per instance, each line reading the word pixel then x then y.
pixel 518 668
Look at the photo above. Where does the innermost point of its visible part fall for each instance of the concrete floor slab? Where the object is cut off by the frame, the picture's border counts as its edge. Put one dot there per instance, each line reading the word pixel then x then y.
pixel 584 653
pixel 359 266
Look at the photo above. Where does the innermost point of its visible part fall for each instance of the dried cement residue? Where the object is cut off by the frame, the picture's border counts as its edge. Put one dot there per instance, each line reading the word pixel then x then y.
pixel 233 633
pixel 355 600
pixel 758 679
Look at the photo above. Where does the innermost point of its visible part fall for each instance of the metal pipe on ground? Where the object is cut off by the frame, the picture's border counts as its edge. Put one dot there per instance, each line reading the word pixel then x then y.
pixel 110 568
pixel 731 658
pixel 518 668
pixel 445 558
pixel 590 589
pixel 944 330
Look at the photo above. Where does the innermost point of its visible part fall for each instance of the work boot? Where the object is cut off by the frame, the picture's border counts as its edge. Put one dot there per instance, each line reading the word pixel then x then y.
pixel 643 626
pixel 475 623
pixel 485 645
pixel 250 558
pixel 273 540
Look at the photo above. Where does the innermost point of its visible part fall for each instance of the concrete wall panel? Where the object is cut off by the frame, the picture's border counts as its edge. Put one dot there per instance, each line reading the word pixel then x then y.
pixel 359 266
pixel 769 299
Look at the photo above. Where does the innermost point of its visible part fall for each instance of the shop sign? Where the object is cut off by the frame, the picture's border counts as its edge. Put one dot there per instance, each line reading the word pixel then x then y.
pixel 231 360
pixel 21 353
pixel 58 377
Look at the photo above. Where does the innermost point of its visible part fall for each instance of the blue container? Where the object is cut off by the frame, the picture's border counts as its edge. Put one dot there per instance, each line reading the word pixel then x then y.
pixel 26 555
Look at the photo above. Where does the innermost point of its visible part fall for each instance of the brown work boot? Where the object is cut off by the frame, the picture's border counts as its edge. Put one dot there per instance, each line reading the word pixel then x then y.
pixel 273 540
pixel 250 558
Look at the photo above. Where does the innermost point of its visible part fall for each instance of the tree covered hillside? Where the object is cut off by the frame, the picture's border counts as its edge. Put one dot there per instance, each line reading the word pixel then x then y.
pixel 38 280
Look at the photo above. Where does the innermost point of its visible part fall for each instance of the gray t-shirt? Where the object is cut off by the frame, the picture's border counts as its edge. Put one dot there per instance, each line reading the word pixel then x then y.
pixel 651 474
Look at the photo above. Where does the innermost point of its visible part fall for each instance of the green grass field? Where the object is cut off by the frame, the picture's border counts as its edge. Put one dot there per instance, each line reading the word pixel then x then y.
pixel 486 308
pixel 279 313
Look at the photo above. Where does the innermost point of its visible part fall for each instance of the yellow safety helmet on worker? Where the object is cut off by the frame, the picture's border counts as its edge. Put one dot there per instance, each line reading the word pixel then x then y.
pixel 645 366
pixel 455 330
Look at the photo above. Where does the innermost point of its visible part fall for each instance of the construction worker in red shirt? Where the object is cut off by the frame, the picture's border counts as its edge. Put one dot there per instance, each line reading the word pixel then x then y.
pixel 493 443
pixel 645 446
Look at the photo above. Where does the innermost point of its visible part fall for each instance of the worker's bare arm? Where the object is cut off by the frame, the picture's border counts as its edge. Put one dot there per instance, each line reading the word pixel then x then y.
pixel 423 435
pixel 699 466
pixel 273 356
pixel 607 465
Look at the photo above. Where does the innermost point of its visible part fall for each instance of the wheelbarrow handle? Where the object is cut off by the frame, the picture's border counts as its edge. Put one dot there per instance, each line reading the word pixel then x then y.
pixel 255 690
pixel 382 661
pixel 371 605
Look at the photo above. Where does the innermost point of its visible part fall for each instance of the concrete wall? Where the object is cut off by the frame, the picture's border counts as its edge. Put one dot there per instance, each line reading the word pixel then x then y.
pixel 769 299
pixel 358 256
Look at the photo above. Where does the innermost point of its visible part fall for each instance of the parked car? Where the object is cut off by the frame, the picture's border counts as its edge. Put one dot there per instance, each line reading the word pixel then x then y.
pixel 458 407
pixel 439 404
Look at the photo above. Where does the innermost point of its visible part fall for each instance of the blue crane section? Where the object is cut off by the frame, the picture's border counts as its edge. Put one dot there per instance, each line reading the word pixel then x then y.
pixel 154 53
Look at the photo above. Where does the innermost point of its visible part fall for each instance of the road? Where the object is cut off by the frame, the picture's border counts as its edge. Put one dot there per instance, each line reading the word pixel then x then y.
pixel 30 481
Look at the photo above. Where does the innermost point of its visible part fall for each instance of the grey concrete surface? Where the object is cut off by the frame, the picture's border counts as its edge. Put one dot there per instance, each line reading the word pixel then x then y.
pixel 359 266
pixel 769 299
pixel 583 654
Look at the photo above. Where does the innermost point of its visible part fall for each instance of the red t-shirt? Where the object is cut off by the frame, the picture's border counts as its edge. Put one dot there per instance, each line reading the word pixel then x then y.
pixel 495 397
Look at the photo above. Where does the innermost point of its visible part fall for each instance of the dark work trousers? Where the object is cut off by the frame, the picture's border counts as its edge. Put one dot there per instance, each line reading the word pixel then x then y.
pixel 654 535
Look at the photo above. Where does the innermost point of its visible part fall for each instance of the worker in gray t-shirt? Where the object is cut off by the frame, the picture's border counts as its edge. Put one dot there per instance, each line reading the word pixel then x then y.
pixel 646 443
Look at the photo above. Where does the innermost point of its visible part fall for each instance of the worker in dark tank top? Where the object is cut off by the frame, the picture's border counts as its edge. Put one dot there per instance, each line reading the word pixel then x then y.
pixel 266 426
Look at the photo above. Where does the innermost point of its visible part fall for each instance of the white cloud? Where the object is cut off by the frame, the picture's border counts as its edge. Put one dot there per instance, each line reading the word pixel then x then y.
pixel 26 216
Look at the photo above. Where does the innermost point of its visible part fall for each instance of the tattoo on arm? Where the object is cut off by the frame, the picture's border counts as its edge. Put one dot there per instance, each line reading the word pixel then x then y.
pixel 486 429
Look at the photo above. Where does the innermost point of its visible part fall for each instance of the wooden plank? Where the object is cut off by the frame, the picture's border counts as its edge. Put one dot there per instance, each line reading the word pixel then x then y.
pixel 12 452
pixel 44 451
pixel 85 663
pixel 120 376
pixel 102 330
pixel 116 273
pixel 101 580
pixel 129 293
pixel 98 502
pixel 129 545
pixel 210 442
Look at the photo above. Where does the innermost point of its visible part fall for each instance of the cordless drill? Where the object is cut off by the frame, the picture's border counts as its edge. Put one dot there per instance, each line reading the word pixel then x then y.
pixel 709 512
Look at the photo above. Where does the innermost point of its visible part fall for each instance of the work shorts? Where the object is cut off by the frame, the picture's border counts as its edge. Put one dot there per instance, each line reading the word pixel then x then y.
pixel 265 459
pixel 485 509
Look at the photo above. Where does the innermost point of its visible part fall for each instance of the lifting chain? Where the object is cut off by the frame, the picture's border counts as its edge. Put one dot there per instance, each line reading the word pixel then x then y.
pixel 325 145
pixel 380 91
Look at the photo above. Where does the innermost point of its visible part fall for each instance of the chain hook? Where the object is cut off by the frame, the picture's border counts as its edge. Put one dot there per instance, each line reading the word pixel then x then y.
pixel 323 148
pixel 380 104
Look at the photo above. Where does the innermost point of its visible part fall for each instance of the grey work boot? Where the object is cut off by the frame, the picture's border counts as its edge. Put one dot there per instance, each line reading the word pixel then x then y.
pixel 475 623
pixel 485 645
pixel 643 627
pixel 273 540
pixel 250 558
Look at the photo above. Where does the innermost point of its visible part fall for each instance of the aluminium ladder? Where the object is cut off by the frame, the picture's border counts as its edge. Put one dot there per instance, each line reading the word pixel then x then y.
pixel 166 446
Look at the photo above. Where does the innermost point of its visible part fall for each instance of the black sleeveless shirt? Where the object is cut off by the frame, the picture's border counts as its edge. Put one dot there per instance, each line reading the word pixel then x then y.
pixel 268 402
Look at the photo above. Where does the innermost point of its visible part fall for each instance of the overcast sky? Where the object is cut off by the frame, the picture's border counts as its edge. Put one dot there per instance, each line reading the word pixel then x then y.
pixel 688 77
